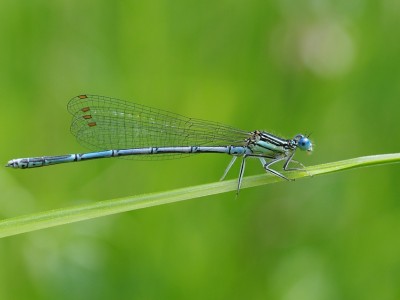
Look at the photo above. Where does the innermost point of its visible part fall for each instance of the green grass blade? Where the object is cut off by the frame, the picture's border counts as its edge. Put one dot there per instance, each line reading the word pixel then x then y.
pixel 36 221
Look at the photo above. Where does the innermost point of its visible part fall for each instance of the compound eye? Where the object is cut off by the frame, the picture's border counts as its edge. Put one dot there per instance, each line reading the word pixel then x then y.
pixel 304 144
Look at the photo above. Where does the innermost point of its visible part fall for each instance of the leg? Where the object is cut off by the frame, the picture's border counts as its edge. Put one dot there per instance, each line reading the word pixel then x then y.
pixel 228 167
pixel 296 162
pixel 285 166
pixel 268 169
pixel 241 172
pixel 303 168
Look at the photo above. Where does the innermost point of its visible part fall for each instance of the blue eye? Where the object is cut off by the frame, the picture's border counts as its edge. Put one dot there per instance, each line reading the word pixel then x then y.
pixel 304 144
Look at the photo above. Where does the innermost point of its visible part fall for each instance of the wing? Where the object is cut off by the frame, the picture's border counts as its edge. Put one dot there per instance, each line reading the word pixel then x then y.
pixel 102 123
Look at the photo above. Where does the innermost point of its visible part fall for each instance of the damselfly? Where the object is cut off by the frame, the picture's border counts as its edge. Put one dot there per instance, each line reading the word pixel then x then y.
pixel 132 130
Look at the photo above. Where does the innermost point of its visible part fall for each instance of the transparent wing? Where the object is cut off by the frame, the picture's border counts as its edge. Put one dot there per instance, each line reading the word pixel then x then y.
pixel 102 123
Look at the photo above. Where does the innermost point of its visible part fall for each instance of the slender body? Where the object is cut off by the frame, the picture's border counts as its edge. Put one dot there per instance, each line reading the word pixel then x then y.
pixel 116 128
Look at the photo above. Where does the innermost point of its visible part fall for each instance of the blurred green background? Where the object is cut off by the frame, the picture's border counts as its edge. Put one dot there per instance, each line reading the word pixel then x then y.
pixel 331 68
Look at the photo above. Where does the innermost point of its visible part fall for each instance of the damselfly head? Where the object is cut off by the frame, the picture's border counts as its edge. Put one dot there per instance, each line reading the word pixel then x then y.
pixel 303 142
